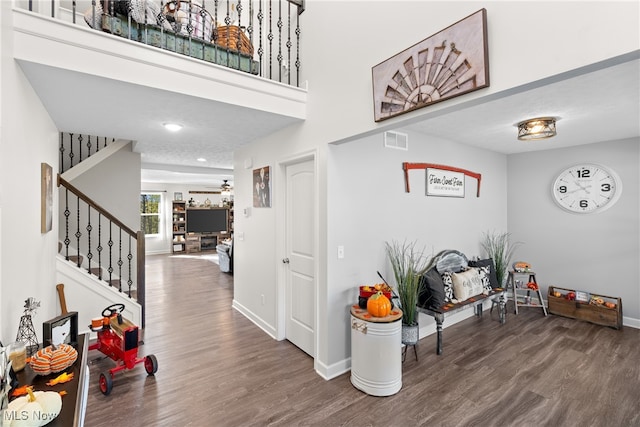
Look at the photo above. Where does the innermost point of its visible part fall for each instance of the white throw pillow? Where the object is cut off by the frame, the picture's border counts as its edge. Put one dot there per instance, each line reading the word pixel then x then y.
pixel 466 284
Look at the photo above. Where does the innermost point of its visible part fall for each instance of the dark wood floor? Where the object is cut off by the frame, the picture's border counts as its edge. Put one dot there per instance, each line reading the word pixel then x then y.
pixel 216 368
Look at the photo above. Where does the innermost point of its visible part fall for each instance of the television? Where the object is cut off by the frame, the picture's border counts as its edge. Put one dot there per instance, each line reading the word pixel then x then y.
pixel 207 220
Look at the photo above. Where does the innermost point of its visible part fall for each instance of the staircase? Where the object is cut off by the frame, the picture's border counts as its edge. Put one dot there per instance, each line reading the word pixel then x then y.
pixel 101 260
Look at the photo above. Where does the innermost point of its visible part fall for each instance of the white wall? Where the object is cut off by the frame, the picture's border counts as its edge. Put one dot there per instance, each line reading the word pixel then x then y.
pixel 338 55
pixel 597 253
pixel 27 138
pixel 368 205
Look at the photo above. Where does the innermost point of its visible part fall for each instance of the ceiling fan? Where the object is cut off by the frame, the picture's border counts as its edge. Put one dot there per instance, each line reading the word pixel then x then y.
pixel 225 185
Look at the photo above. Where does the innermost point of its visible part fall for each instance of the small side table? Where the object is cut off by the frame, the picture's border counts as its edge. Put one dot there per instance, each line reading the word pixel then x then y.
pixel 376 368
pixel 525 300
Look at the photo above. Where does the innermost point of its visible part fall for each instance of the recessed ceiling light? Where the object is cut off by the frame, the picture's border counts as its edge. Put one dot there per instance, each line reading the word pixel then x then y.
pixel 173 127
pixel 201 159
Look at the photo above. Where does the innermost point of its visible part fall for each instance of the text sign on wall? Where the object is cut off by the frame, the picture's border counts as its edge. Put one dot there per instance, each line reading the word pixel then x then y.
pixel 445 183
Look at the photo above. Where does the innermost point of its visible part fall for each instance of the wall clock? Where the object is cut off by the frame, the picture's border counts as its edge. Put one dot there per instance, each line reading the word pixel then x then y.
pixel 586 188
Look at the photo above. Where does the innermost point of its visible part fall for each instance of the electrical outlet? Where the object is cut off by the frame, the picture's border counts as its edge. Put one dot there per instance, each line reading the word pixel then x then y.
pixel 340 252
pixel 262 299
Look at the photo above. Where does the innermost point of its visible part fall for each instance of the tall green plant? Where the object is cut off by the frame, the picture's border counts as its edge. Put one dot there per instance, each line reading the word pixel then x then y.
pixel 409 264
pixel 499 248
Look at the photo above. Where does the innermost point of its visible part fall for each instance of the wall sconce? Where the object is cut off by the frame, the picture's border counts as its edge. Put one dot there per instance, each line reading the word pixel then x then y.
pixel 540 128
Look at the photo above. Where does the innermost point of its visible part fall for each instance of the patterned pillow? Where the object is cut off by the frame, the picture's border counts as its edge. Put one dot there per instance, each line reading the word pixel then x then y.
pixel 467 284
pixel 484 277
pixel 448 286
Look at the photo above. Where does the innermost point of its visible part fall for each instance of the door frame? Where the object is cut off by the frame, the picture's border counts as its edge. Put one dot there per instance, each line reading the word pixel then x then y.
pixel 280 205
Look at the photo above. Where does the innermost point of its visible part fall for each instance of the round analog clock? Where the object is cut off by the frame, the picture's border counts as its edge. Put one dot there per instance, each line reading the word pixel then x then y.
pixel 586 188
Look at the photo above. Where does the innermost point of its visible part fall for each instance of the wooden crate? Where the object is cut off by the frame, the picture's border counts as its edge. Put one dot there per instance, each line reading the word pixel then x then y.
pixel 597 314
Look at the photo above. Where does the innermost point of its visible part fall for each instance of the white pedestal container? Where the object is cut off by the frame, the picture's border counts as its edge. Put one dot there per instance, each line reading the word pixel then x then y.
pixel 376 354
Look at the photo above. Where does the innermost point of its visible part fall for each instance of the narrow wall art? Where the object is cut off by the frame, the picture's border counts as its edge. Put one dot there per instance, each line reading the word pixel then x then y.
pixel 262 187
pixel 46 198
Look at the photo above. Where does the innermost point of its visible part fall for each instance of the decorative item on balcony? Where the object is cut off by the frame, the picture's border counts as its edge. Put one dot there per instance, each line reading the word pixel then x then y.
pixel 227 37
pixel 408 264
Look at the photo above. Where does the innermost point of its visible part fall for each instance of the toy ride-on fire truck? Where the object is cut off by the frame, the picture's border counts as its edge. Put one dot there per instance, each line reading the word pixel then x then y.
pixel 118 339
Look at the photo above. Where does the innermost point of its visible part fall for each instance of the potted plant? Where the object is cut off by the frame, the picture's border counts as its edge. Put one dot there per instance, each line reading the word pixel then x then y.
pixel 408 264
pixel 499 249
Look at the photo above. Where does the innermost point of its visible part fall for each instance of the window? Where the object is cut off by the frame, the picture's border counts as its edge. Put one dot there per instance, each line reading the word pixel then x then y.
pixel 150 213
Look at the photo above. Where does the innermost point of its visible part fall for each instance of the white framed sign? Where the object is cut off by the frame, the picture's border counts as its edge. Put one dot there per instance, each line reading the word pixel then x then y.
pixel 445 183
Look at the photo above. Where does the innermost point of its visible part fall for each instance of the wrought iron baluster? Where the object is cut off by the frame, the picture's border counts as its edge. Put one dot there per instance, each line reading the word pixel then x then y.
pixel 120 262
pixel 260 47
pixel 110 243
pixel 298 63
pixel 61 149
pixel 270 38
pixel 67 213
pixel 71 155
pixel 279 25
pixel 288 63
pixel 78 234
pixel 89 229
pixel 129 258
pixel 73 8
pixel 239 38
pixel 99 247
pixel 250 28
pixel 88 146
pixel 80 148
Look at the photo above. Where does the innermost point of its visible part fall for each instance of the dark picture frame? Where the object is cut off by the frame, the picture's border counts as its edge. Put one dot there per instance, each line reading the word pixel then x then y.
pixel 262 187
pixel 450 63
pixel 61 329
pixel 177 196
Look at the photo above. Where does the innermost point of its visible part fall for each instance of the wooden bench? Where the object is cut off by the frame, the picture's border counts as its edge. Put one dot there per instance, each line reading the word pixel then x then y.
pixel 440 313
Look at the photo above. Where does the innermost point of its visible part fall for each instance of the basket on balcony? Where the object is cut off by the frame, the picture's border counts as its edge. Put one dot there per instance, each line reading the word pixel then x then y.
pixel 227 37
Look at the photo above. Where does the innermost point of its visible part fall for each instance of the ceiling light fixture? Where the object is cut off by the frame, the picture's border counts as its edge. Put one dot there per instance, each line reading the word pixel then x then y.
pixel 173 127
pixel 201 159
pixel 539 128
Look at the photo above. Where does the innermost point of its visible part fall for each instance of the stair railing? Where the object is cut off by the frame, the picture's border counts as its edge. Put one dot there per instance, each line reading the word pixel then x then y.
pixel 124 259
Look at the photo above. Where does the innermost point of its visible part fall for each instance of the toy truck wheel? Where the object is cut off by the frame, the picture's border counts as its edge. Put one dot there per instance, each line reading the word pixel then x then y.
pixel 106 383
pixel 151 364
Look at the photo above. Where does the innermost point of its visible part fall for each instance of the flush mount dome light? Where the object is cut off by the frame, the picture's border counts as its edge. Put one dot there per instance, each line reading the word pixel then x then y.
pixel 173 127
pixel 539 128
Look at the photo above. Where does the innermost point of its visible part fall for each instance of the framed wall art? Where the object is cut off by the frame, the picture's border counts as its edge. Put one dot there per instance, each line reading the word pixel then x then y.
pixel 450 63
pixel 262 187
pixel 445 183
pixel 62 329
pixel 46 198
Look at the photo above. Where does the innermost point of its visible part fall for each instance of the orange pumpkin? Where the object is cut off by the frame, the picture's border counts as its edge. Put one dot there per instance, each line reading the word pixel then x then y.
pixel 53 359
pixel 610 304
pixel 378 305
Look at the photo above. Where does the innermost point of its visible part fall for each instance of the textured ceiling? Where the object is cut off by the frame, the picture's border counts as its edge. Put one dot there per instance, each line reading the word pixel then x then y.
pixel 596 104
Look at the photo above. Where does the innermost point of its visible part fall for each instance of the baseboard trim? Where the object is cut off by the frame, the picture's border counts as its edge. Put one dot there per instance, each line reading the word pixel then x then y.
pixel 268 329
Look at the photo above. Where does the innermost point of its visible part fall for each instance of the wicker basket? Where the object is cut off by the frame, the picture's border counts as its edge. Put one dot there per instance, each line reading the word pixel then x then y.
pixel 227 37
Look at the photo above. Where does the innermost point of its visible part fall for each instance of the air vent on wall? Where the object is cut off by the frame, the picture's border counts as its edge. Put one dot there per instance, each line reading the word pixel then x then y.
pixel 396 140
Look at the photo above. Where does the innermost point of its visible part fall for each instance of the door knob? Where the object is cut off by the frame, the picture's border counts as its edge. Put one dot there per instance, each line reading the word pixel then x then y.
pixel 285 260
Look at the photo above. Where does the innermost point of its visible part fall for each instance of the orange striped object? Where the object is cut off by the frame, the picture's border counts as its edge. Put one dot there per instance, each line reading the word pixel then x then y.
pixel 53 359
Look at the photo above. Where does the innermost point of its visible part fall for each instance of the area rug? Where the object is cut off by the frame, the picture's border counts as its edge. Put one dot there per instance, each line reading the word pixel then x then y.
pixel 207 257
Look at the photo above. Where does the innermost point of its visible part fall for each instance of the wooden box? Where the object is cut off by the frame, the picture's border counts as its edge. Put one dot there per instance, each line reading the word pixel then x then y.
pixel 594 313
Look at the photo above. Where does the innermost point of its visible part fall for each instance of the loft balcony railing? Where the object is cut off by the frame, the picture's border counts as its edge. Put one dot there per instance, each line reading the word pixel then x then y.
pixel 261 37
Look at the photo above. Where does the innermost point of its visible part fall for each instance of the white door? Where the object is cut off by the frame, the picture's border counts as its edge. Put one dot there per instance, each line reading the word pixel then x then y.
pixel 299 261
